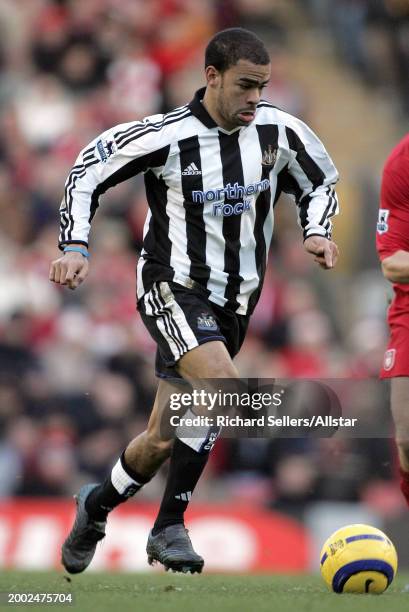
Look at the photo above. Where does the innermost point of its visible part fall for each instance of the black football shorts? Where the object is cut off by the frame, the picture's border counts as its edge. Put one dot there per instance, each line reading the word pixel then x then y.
pixel 179 319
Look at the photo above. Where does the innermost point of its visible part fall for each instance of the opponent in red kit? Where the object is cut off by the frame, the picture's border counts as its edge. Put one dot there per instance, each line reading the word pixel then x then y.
pixel 392 241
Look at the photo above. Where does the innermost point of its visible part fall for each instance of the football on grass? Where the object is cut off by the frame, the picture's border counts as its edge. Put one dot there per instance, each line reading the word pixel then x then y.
pixel 358 559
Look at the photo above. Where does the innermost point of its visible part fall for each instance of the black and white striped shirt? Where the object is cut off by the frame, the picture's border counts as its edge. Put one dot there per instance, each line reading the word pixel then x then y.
pixel 211 194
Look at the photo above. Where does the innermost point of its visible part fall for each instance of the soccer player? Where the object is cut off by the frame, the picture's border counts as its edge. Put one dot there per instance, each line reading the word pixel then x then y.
pixel 392 240
pixel 214 169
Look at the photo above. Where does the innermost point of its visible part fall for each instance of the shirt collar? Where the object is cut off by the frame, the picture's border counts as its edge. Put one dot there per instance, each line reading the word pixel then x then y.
pixel 199 111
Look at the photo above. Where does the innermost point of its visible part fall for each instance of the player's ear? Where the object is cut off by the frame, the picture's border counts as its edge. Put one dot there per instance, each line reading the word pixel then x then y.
pixel 213 76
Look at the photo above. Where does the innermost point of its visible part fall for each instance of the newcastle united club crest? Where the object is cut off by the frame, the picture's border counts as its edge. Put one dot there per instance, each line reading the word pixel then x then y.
pixel 269 157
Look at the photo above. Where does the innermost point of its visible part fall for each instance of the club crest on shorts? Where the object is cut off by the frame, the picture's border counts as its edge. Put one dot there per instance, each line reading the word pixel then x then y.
pixel 206 322
pixel 389 359
pixel 382 225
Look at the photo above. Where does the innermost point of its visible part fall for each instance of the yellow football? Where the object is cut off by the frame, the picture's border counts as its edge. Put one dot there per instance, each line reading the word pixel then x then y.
pixel 358 559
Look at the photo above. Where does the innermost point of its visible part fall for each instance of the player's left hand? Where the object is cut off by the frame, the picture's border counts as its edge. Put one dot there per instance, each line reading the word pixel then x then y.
pixel 325 251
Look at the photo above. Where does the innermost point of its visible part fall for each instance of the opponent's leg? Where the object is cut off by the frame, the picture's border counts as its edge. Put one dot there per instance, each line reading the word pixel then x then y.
pixel 400 413
pixel 136 466
pixel 168 541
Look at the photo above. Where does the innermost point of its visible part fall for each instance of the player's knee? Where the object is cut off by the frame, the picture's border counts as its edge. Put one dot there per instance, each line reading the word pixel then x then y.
pixel 157 446
pixel 209 360
pixel 219 366
pixel 223 369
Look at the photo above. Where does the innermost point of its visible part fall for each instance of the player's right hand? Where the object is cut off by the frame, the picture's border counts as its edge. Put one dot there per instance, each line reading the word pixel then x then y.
pixel 325 251
pixel 71 269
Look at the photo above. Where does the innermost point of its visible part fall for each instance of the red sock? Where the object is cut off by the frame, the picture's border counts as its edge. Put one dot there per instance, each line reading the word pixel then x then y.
pixel 404 484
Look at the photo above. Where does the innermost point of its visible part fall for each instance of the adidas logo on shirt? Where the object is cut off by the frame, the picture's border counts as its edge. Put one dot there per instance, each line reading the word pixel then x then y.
pixel 191 169
pixel 184 496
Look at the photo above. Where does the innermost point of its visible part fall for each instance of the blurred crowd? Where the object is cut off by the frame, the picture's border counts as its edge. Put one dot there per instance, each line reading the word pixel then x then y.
pixel 372 37
pixel 76 369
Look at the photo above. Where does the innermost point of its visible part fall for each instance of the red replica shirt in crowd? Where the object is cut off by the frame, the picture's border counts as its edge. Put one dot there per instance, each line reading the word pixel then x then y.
pixel 392 231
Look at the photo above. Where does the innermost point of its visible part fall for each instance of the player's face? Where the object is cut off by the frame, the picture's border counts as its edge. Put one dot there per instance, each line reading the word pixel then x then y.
pixel 237 91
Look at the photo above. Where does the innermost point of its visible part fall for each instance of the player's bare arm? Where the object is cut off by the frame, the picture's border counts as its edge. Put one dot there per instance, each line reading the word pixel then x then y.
pixel 326 251
pixel 396 267
pixel 71 269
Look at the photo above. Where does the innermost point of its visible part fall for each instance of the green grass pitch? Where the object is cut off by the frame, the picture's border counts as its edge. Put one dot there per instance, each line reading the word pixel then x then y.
pixel 205 593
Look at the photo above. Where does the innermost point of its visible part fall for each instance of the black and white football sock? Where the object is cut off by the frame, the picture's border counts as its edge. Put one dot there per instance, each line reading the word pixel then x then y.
pixel 118 487
pixel 187 462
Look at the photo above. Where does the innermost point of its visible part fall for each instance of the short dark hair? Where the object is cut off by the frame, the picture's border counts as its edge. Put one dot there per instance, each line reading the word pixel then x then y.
pixel 229 46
